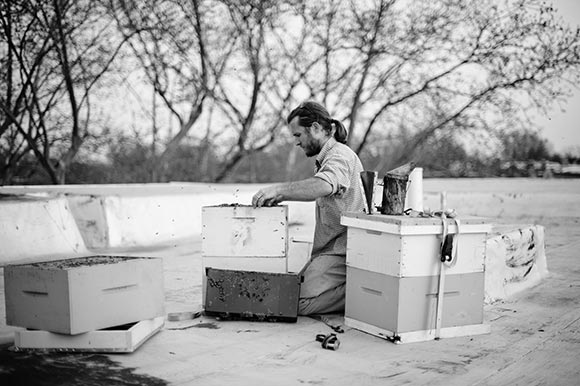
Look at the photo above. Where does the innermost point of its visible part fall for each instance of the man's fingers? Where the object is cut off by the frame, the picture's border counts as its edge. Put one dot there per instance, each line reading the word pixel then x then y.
pixel 258 200
pixel 271 201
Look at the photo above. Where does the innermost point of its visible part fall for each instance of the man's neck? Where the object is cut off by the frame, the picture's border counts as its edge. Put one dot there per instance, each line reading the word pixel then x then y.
pixel 322 151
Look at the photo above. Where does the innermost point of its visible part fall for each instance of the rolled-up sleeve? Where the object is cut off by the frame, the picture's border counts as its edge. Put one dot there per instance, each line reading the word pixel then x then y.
pixel 336 171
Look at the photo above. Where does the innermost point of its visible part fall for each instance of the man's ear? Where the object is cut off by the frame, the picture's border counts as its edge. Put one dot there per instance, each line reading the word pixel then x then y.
pixel 317 128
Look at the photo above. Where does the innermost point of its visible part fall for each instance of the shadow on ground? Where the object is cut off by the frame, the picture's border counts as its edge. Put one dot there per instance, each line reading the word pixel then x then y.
pixel 41 368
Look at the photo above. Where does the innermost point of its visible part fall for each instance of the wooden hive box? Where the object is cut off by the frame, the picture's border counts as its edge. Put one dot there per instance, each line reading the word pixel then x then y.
pixel 393 275
pixel 120 339
pixel 244 231
pixel 84 294
pixel 261 296
pixel 245 238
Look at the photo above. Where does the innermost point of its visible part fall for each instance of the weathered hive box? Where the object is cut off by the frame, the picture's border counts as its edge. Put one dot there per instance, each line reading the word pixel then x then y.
pixel 78 295
pixel 245 238
pixel 515 260
pixel 261 296
pixel 393 267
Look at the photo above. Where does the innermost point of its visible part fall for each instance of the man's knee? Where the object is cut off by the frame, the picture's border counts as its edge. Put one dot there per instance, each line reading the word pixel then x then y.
pixel 307 306
pixel 327 302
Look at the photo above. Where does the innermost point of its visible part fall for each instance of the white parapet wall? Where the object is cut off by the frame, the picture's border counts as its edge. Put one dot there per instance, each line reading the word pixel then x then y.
pixel 111 221
pixel 128 215
pixel 35 228
pixel 141 220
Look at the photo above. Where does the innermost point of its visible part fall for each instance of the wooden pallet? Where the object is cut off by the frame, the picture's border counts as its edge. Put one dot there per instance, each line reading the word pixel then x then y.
pixel 122 339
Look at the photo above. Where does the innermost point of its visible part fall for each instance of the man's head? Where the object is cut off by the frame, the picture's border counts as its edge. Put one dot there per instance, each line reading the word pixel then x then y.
pixel 311 125
pixel 310 139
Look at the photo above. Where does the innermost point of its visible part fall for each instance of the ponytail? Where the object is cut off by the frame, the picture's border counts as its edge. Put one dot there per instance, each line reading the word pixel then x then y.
pixel 340 132
pixel 311 112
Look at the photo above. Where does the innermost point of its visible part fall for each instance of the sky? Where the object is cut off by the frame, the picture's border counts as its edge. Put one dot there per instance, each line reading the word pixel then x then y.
pixel 562 128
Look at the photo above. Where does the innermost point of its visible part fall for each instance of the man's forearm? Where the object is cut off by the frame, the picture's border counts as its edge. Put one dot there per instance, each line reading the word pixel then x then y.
pixel 305 190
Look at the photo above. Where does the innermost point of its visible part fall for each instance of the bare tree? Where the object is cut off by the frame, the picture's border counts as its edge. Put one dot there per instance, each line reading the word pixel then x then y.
pixel 180 47
pixel 446 65
pixel 421 68
pixel 57 53
pixel 271 60
pixel 227 72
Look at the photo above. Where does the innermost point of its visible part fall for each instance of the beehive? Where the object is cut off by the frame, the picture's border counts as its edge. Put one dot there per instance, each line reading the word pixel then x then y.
pixel 393 267
pixel 84 294
pixel 244 238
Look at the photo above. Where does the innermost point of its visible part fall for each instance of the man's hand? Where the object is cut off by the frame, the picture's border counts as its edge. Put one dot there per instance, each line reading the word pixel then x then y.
pixel 305 190
pixel 266 197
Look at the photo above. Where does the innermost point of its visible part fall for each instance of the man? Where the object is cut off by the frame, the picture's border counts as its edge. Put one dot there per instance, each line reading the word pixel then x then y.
pixel 336 188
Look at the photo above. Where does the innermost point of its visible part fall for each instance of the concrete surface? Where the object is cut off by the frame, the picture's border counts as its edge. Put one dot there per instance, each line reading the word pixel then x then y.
pixel 534 336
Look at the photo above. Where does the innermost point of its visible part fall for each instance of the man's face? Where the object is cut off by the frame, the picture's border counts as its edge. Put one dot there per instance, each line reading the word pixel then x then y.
pixel 309 139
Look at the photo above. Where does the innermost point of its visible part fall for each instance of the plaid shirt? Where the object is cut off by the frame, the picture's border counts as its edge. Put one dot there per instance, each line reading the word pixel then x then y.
pixel 338 165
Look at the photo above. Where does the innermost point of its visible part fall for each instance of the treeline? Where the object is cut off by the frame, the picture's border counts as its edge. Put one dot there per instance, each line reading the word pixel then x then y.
pixel 198 90
pixel 130 161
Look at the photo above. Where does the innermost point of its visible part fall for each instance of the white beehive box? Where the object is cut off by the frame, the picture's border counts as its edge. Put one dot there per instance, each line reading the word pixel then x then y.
pixel 78 295
pixel 298 255
pixel 244 231
pixel 299 252
pixel 393 271
pixel 405 247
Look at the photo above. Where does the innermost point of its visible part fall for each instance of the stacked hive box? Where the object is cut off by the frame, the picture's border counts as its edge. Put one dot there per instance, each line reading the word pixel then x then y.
pixel 393 268
pixel 240 237
pixel 82 295
pixel 245 238
pixel 245 263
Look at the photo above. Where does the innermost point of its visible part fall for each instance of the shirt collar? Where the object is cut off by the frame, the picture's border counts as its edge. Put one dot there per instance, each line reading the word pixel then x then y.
pixel 324 151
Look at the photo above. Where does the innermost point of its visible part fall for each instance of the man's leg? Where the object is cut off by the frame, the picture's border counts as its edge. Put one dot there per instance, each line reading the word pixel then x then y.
pixel 330 301
pixel 323 288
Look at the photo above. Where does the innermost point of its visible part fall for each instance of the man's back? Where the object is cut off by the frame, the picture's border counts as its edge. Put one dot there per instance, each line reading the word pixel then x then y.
pixel 338 165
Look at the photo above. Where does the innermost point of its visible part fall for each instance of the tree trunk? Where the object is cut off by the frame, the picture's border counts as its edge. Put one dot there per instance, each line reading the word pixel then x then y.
pixel 60 173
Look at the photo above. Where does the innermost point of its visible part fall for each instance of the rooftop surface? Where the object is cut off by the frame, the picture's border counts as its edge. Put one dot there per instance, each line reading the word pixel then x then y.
pixel 534 339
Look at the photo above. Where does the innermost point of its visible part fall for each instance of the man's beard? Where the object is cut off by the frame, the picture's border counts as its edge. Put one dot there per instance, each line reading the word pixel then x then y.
pixel 312 150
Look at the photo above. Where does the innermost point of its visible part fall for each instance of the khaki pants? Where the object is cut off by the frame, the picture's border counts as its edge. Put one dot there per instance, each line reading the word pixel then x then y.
pixel 324 285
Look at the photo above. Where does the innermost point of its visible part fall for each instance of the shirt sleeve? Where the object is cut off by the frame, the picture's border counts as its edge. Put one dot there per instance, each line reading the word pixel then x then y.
pixel 335 170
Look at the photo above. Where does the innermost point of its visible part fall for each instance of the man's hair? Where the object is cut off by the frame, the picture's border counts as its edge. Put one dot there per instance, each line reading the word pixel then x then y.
pixel 310 112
